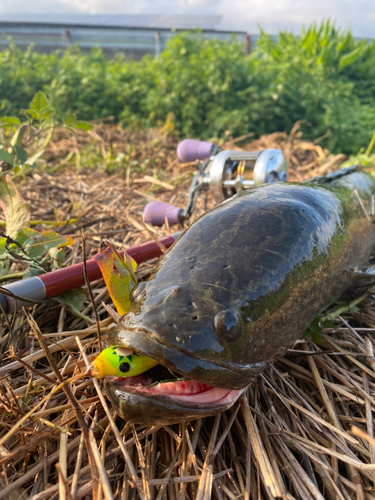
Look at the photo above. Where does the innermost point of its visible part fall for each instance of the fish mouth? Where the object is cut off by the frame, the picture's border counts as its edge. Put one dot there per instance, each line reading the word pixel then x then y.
pixel 153 399
pixel 179 388
pixel 157 382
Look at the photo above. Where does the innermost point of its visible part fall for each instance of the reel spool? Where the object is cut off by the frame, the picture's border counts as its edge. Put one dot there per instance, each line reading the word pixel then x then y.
pixel 229 172
pixel 223 173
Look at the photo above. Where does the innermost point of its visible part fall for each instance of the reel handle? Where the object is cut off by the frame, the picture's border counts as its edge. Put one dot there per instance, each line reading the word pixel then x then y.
pixel 155 213
pixel 191 150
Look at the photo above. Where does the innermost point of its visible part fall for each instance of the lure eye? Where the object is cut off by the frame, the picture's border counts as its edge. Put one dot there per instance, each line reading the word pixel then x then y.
pixel 136 292
pixel 227 325
pixel 124 367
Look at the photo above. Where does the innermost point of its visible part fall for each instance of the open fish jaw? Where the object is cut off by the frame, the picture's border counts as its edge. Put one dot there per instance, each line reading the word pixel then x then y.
pixel 167 403
pixel 187 391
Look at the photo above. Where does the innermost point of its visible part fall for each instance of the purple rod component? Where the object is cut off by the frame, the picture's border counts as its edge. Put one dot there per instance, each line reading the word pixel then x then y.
pixel 191 150
pixel 155 213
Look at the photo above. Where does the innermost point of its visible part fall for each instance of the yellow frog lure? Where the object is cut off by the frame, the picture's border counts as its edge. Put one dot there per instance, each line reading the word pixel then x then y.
pixel 120 362
pixel 120 280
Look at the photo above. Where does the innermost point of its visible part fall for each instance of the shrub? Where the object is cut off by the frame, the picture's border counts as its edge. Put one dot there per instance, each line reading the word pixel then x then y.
pixel 324 77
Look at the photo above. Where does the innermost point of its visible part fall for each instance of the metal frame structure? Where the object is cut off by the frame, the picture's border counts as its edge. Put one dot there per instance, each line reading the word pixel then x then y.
pixel 135 36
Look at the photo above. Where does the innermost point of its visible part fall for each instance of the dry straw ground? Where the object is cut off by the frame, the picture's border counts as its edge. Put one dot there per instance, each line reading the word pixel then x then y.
pixel 289 437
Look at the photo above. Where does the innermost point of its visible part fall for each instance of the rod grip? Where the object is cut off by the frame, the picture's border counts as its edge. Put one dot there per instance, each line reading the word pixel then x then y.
pixel 155 213
pixel 191 150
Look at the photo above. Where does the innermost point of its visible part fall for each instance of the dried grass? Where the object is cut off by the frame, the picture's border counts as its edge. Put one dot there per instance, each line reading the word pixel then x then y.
pixel 290 436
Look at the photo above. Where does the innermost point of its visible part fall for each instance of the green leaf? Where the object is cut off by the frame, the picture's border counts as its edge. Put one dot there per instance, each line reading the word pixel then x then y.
pixel 47 114
pixel 18 135
pixel 24 233
pixel 16 211
pixel 4 266
pixel 9 121
pixel 69 120
pixel 33 114
pixel 58 256
pixel 6 157
pixel 39 102
pixel 38 244
pixel 315 328
pixel 3 242
pixel 75 300
pixel 4 258
pixel 82 125
pixel 33 158
pixel 317 337
pixel 32 270
pixel 21 155
pixel 348 59
pixel 41 252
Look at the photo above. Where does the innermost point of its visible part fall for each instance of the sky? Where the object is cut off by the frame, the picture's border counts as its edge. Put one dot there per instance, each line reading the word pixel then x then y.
pixel 245 15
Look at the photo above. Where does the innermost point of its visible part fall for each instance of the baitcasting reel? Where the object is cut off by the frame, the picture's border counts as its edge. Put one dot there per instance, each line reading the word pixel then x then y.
pixel 223 173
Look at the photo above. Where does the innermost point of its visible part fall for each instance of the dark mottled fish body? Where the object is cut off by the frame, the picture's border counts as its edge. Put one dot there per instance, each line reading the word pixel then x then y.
pixel 244 281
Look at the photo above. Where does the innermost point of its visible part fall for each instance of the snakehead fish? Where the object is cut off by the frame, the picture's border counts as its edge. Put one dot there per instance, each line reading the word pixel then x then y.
pixel 237 289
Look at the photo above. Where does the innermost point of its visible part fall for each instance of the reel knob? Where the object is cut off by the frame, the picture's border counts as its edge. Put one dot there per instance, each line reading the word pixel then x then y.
pixel 191 150
pixel 155 213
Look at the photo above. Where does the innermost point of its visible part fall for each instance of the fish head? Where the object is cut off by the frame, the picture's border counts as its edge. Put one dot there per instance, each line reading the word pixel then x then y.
pixel 178 319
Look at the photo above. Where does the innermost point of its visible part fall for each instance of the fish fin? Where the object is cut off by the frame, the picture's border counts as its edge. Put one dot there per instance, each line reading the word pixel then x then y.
pixel 118 275
pixel 333 176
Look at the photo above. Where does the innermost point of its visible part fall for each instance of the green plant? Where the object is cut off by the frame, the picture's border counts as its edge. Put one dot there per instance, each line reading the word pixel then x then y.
pixel 364 157
pixel 21 145
pixel 207 87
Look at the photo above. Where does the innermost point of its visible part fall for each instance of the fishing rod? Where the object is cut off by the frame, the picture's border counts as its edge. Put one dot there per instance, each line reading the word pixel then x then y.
pixel 38 288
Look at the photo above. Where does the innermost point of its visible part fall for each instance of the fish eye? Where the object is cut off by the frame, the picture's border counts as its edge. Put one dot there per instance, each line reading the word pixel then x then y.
pixel 124 367
pixel 227 325
pixel 136 292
